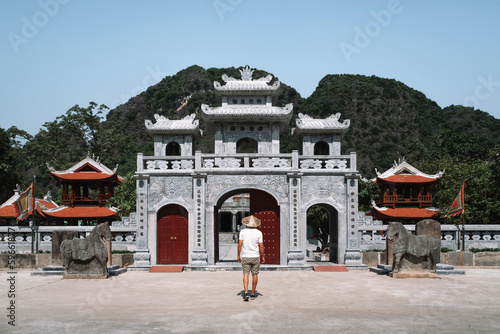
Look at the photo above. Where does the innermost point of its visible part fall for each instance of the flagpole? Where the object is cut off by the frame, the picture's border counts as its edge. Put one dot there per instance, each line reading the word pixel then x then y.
pixel 463 232
pixel 35 227
pixel 463 215
pixel 32 222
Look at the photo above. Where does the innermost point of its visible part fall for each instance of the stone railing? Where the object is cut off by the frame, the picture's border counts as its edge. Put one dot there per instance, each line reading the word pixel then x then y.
pixel 123 235
pixel 214 162
pixel 372 235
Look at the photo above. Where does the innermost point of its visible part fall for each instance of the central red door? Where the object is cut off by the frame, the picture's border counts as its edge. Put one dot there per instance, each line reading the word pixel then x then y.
pixel 172 241
pixel 265 207
pixel 270 228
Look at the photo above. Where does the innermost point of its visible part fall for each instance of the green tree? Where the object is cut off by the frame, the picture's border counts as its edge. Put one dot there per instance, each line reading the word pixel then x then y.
pixel 125 196
pixel 62 143
pixel 367 191
pixel 317 218
pixel 8 174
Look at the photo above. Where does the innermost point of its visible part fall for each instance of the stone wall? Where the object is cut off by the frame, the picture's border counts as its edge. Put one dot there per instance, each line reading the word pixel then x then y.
pixel 459 259
pixel 37 261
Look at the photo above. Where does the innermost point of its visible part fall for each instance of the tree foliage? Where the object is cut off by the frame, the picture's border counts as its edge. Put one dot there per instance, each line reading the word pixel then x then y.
pixel 125 196
pixel 62 143
pixel 317 218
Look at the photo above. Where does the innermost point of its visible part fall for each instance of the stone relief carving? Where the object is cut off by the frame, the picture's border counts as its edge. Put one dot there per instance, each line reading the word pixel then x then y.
pixel 324 187
pixel 275 184
pixel 169 188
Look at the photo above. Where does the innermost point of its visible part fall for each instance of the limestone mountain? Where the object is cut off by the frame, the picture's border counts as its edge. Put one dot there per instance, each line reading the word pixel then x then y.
pixel 388 118
pixel 174 97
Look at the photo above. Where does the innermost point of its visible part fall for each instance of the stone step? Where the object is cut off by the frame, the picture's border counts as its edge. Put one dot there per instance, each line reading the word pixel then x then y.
pixel 448 269
pixel 442 266
pixel 53 268
pixel 116 271
pixel 450 272
pixel 381 269
pixel 384 266
pixel 237 267
pixel 47 273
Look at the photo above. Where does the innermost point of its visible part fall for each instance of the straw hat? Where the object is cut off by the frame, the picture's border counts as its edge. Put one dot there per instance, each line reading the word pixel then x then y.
pixel 251 221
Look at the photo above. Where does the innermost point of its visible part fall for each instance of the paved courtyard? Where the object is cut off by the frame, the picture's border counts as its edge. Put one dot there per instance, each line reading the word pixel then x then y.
pixel 287 302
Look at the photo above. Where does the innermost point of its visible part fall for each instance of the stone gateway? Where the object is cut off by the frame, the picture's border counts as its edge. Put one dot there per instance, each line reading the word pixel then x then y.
pixel 183 196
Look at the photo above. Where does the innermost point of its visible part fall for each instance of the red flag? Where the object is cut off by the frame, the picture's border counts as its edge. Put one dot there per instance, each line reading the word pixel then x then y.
pixel 24 204
pixel 458 204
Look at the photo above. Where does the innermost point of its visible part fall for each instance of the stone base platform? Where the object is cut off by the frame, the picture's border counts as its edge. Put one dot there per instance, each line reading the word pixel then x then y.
pixel 413 274
pixel 114 270
pixel 235 266
pixel 441 269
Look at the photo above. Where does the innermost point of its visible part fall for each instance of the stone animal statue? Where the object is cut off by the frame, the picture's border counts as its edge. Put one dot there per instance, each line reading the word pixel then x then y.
pixel 87 256
pixel 407 245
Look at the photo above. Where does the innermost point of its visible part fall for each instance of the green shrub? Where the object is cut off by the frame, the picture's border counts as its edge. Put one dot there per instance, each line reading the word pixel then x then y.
pixel 122 252
pixel 479 250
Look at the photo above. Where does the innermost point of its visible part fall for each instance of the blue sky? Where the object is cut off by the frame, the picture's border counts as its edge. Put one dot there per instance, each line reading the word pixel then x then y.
pixel 58 53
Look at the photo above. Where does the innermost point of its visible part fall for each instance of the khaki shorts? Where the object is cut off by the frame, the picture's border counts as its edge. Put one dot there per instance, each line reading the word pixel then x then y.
pixel 250 264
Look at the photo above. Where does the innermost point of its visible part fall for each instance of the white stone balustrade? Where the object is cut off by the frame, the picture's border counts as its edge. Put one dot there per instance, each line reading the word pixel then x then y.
pixel 476 236
pixel 206 162
pixel 123 231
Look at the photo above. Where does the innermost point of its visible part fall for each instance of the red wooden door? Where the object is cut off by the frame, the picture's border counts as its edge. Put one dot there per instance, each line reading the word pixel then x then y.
pixel 172 241
pixel 270 228
pixel 265 207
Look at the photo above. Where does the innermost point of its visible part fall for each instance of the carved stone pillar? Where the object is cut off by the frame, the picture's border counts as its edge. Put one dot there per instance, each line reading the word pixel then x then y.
pixel 199 255
pixel 142 256
pixel 353 254
pixel 295 254
pixel 233 222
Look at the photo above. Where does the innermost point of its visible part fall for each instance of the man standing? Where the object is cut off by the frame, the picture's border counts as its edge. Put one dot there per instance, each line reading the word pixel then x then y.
pixel 250 253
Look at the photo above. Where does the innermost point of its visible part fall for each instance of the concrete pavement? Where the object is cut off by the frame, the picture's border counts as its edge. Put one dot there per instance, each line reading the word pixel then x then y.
pixel 287 302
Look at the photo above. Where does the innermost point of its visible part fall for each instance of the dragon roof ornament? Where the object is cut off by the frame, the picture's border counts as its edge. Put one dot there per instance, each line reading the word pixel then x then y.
pixel 247 83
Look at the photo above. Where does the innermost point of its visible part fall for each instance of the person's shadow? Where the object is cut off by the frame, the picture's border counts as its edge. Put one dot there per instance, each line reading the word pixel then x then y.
pixel 242 293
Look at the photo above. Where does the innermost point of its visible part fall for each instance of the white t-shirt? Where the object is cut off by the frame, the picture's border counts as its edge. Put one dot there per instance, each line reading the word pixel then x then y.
pixel 251 238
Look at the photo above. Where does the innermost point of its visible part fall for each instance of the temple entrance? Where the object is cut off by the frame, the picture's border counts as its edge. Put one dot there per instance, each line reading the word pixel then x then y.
pixel 322 232
pixel 172 235
pixel 231 209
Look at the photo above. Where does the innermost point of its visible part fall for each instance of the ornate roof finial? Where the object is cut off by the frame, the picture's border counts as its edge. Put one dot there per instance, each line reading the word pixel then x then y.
pixel 50 168
pixel 246 74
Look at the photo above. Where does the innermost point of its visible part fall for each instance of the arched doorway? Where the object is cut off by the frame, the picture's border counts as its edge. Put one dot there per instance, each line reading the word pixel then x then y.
pixel 173 149
pixel 172 235
pixel 321 148
pixel 258 203
pixel 322 226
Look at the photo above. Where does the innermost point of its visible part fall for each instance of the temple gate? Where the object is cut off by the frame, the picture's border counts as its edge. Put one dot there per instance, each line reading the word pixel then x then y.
pixel 246 160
